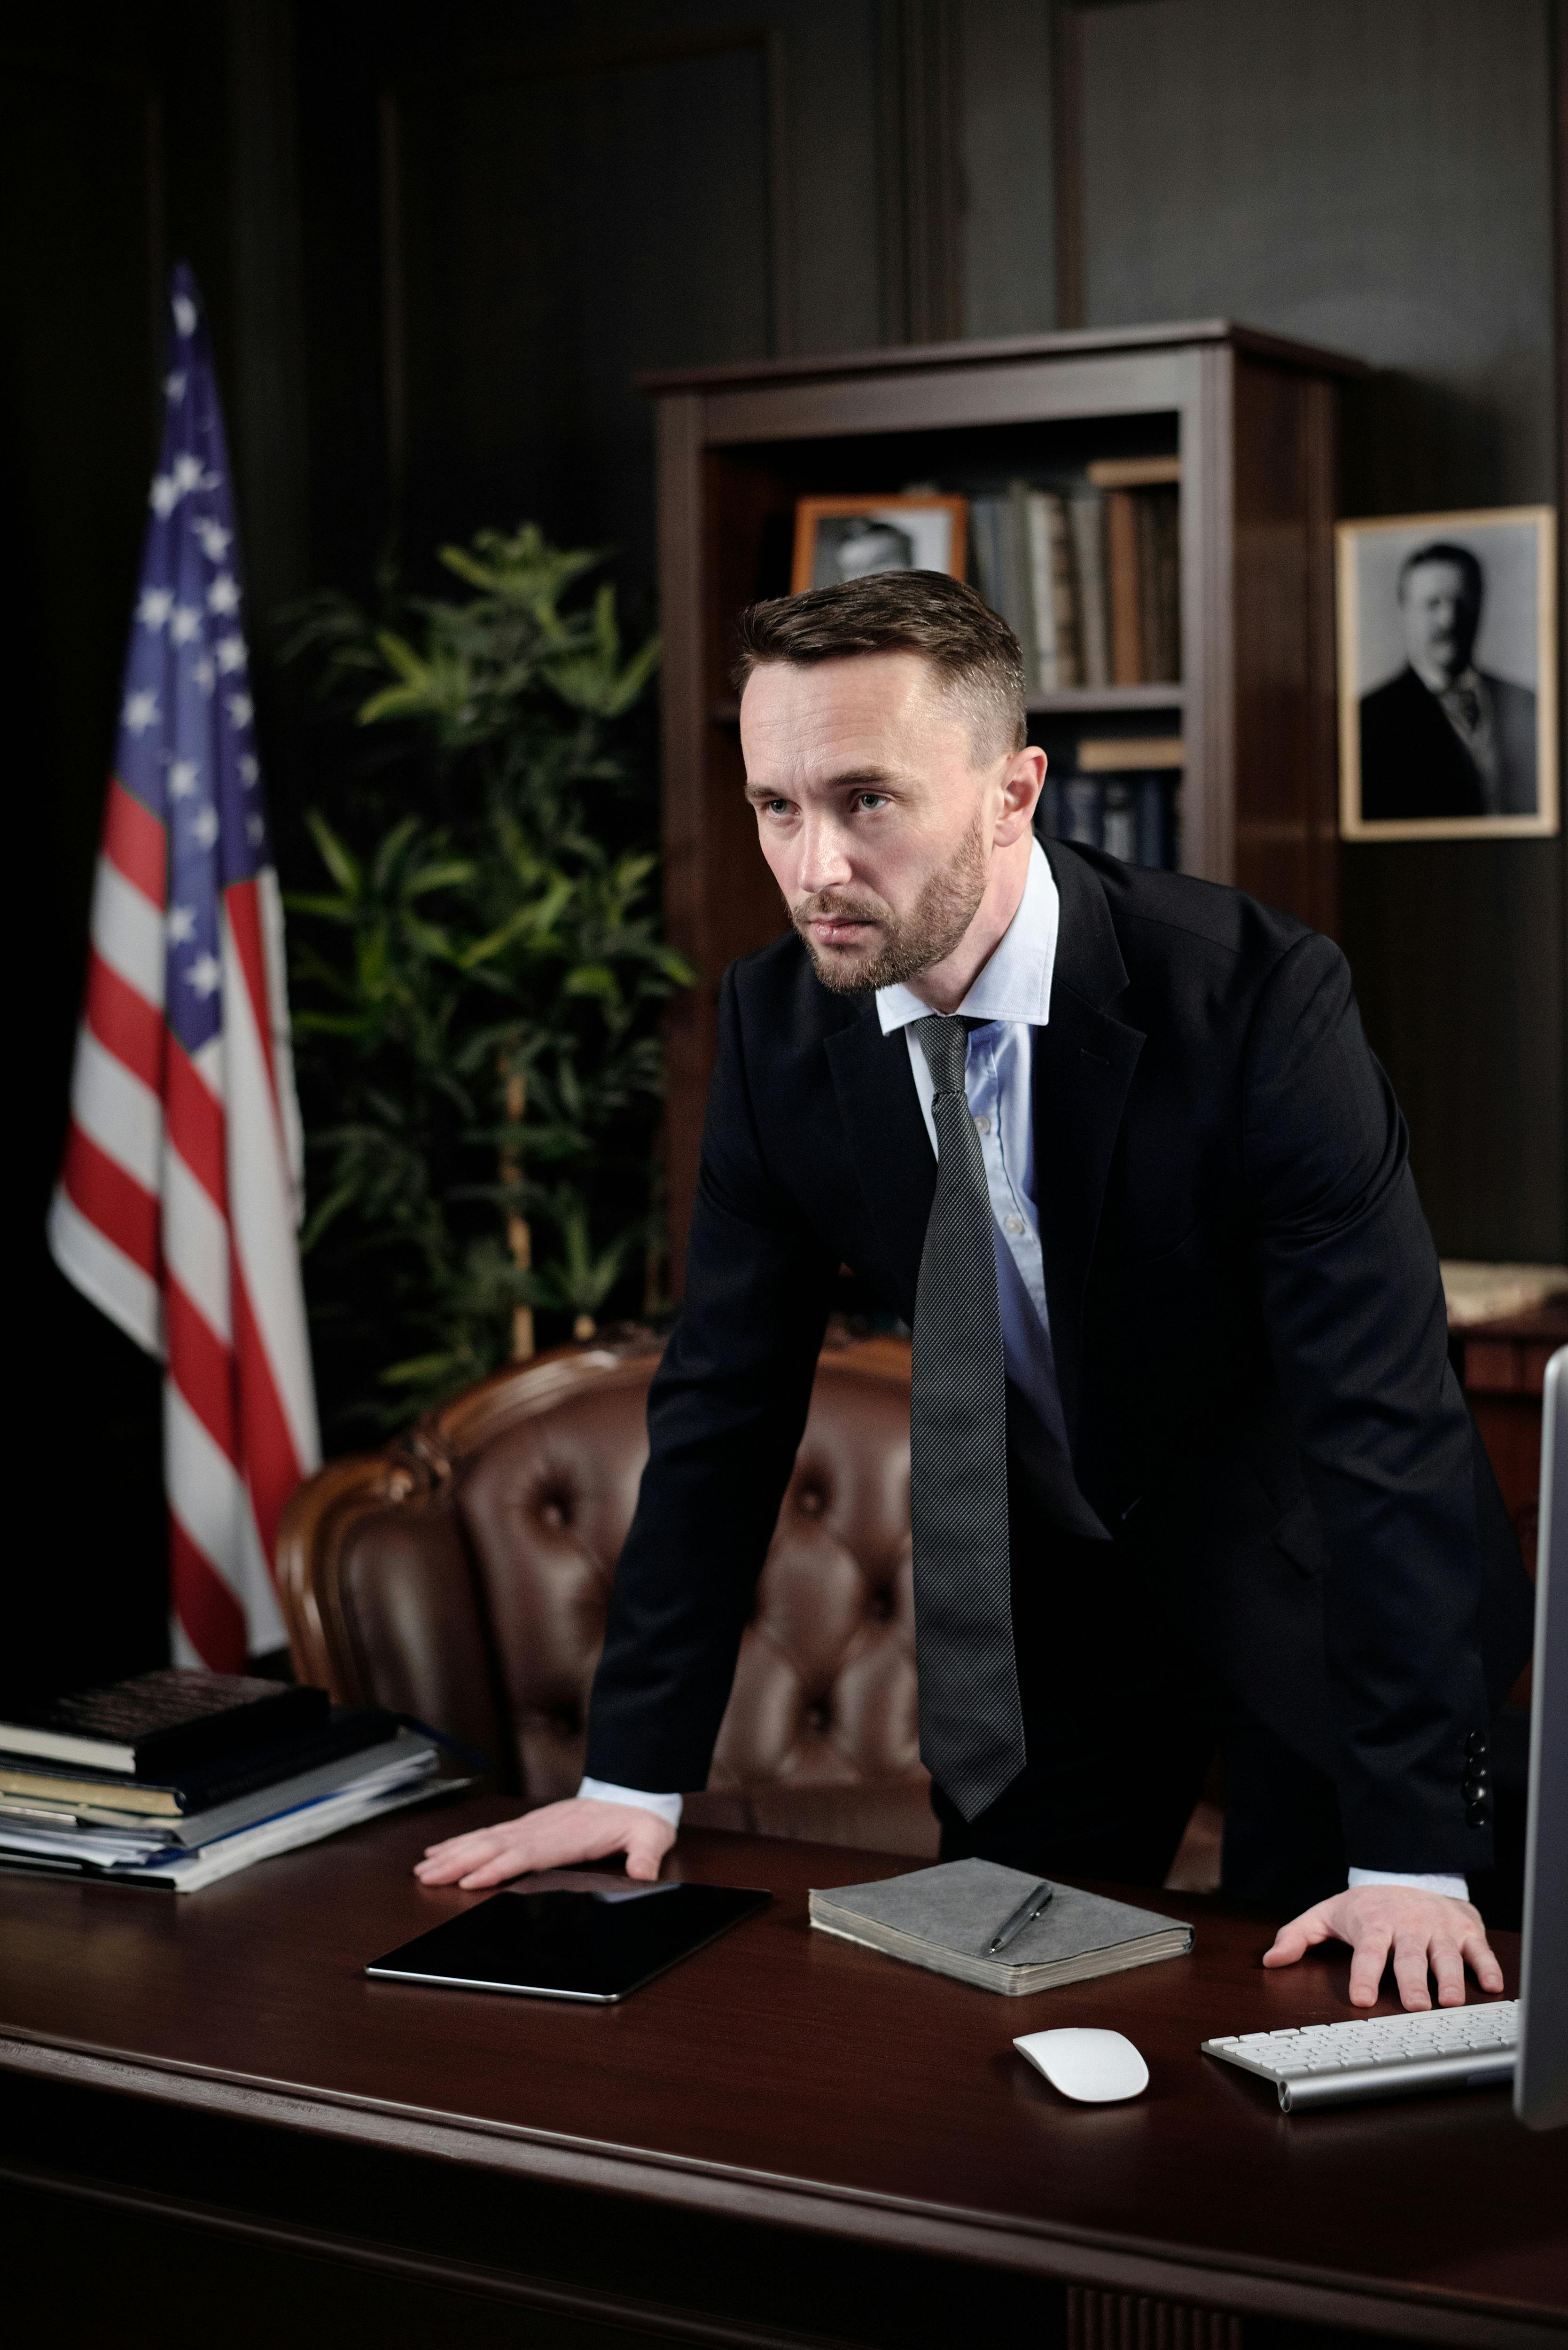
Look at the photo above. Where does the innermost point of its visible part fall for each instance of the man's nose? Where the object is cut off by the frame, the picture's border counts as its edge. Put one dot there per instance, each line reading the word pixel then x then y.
pixel 823 862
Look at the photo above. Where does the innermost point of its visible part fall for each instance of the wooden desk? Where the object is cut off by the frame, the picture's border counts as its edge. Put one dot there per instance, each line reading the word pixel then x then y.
pixel 212 2124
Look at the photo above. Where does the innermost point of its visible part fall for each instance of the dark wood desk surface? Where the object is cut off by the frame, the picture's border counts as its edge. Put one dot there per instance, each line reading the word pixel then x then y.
pixel 786 2078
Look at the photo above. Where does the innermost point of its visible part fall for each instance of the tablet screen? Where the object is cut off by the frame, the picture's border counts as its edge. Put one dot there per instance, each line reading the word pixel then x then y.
pixel 578 1940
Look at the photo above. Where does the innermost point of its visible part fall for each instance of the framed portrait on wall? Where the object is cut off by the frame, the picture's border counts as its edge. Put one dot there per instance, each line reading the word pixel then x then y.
pixel 849 538
pixel 1448 675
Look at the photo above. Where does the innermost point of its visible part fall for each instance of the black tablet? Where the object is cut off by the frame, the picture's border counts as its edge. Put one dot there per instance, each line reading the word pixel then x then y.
pixel 570 1938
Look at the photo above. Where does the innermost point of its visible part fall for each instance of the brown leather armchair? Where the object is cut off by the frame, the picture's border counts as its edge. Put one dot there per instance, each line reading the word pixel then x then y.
pixel 463 1573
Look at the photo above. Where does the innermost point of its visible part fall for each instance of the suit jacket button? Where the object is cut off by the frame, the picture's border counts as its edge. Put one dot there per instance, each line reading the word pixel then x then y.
pixel 1475 1744
pixel 1475 1814
pixel 1473 1789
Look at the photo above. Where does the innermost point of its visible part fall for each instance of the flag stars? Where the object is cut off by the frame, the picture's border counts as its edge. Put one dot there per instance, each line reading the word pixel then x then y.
pixel 174 388
pixel 204 674
pixel 185 624
pixel 155 606
pixel 187 473
pixel 241 708
pixel 181 925
pixel 184 314
pixel 231 657
pixel 255 830
pixel 250 770
pixel 140 712
pixel 162 497
pixel 215 541
pixel 205 976
pixel 182 775
pixel 205 827
pixel 224 595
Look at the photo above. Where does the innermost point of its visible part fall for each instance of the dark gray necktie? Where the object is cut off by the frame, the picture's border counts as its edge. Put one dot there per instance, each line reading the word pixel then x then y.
pixel 971 1724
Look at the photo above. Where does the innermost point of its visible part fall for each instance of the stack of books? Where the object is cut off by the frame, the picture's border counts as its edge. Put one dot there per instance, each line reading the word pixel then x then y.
pixel 1088 575
pixel 1121 795
pixel 176 1779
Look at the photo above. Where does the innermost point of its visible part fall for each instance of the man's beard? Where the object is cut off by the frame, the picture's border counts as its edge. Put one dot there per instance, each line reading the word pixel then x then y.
pixel 941 915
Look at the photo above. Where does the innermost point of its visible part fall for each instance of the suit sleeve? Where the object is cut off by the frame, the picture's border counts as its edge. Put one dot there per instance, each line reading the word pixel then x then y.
pixel 1354 1309
pixel 726 1411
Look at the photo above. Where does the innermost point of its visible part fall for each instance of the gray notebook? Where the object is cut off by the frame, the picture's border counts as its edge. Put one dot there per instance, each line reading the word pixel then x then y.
pixel 943 1917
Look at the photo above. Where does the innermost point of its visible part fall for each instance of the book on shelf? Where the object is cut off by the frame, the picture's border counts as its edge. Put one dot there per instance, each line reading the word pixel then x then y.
pixel 1143 567
pixel 1085 512
pixel 1041 665
pixel 161 1723
pixel 1130 754
pixel 1120 796
pixel 1053 599
pixel 1124 603
pixel 1088 576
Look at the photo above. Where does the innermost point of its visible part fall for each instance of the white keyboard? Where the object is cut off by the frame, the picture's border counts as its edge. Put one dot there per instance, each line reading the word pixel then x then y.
pixel 1382 2056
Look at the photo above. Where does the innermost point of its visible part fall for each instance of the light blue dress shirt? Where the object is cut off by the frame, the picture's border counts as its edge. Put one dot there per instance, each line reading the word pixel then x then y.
pixel 1010 997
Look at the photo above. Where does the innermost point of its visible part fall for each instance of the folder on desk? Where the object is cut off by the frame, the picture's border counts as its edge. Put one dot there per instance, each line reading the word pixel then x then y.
pixel 945 1917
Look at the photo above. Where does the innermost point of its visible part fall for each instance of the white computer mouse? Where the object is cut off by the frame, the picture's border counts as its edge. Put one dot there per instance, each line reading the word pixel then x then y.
pixel 1095 2067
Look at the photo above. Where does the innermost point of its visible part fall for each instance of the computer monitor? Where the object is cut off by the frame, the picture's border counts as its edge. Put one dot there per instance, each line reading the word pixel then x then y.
pixel 1540 2074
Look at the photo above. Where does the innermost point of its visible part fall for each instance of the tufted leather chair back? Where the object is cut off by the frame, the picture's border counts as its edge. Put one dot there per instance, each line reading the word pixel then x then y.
pixel 463 1574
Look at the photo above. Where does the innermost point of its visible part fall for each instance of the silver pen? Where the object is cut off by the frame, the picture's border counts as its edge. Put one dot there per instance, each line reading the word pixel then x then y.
pixel 1028 1910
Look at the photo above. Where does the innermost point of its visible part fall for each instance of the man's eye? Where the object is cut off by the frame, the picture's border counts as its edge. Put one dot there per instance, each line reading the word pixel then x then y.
pixel 775 807
pixel 871 800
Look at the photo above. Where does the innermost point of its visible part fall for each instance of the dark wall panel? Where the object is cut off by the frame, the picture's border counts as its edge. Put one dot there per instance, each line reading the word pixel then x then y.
pixel 1374 178
pixel 77 425
pixel 508 210
pixel 559 229
pixel 1006 146
pixel 1379 179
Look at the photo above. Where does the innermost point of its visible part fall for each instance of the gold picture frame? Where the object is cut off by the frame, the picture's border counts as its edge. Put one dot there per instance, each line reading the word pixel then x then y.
pixel 932 527
pixel 1468 597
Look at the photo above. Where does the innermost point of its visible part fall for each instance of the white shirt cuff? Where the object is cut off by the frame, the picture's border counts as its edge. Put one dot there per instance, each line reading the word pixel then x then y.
pixel 599 1790
pixel 1455 1888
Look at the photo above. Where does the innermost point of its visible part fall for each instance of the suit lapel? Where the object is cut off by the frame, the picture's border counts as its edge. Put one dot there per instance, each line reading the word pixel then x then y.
pixel 888 1144
pixel 1084 1064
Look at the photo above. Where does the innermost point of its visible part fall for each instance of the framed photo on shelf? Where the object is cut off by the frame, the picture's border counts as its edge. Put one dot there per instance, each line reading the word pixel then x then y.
pixel 849 538
pixel 1448 675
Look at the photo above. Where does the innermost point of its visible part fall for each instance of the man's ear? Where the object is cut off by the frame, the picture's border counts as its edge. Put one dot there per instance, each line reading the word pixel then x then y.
pixel 1022 781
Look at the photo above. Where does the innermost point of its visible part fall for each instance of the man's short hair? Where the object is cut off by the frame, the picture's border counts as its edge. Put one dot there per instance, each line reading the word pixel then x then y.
pixel 973 651
pixel 1440 551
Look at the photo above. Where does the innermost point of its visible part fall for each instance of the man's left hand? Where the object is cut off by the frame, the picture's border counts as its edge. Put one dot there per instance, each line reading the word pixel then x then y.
pixel 1423 1930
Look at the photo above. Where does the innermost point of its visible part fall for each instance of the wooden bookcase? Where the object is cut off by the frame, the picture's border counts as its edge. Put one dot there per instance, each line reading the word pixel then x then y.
pixel 1255 422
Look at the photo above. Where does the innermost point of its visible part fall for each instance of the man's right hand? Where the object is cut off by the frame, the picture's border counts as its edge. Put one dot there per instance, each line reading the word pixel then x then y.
pixel 557 1836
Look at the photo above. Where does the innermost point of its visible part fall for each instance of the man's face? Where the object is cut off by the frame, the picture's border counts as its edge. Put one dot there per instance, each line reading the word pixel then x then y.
pixel 873 550
pixel 1441 613
pixel 875 822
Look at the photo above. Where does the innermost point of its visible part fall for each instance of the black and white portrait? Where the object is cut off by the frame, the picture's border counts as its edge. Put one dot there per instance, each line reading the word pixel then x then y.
pixel 850 539
pixel 1447 676
pixel 852 547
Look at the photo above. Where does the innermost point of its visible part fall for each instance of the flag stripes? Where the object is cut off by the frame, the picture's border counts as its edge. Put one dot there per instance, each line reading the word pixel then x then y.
pixel 178 1201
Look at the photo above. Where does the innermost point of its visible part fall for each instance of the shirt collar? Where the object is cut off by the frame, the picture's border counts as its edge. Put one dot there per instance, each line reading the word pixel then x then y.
pixel 1014 984
pixel 1466 680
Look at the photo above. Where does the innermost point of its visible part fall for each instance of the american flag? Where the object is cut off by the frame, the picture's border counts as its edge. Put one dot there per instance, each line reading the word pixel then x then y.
pixel 178 1201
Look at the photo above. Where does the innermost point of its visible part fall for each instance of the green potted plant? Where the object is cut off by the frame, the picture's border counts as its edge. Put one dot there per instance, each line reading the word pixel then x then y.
pixel 478 988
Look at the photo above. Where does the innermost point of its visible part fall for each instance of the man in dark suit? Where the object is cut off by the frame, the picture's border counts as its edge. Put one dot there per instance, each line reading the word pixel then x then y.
pixel 1186 1456
pixel 1445 738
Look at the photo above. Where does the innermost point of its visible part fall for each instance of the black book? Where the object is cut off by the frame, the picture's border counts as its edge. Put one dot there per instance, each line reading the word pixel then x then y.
pixel 222 1781
pixel 163 1723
